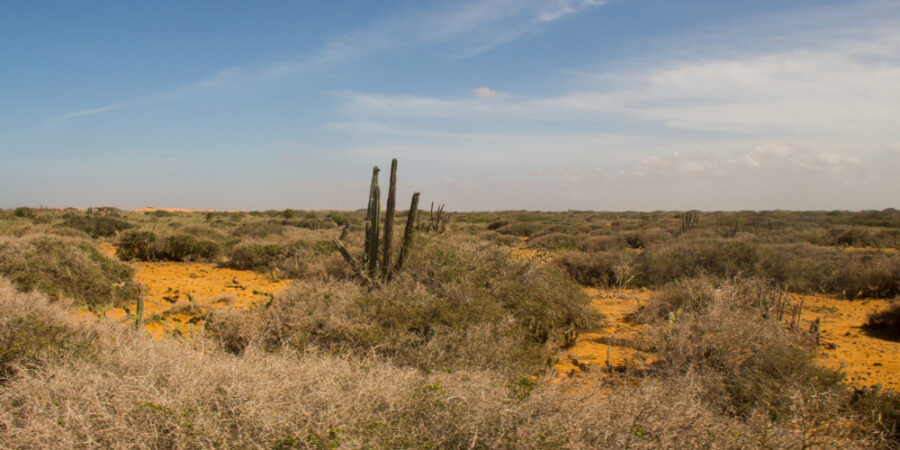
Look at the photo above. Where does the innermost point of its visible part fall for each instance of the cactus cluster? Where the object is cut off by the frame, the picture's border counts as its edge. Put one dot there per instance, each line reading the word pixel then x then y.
pixel 372 270
pixel 689 219
pixel 437 221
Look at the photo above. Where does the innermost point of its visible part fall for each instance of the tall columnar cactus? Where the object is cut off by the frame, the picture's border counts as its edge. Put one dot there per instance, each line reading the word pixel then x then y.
pixel 409 232
pixel 389 222
pixel 368 270
pixel 373 215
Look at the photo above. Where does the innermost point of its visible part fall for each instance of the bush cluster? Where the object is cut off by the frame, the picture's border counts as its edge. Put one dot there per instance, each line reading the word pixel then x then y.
pixel 453 308
pixel 147 246
pixel 289 260
pixel 752 365
pixel 95 225
pixel 65 267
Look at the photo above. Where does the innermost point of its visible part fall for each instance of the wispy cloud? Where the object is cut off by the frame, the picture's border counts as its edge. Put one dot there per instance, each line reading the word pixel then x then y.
pixel 472 27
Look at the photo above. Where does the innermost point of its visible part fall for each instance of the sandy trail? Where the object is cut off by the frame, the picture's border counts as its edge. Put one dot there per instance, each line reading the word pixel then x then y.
pixel 616 347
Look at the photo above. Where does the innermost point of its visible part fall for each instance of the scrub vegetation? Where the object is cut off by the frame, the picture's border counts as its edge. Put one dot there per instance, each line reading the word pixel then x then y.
pixel 459 348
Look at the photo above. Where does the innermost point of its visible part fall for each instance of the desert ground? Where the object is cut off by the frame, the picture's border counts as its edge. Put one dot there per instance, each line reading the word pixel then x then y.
pixel 502 329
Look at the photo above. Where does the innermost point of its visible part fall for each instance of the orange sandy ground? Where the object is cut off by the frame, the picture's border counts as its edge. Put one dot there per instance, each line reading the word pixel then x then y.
pixel 865 360
pixel 615 346
pixel 177 295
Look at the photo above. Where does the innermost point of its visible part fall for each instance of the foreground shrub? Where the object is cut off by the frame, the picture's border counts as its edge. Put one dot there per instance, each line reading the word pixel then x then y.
pixel 33 332
pixel 65 267
pixel 110 387
pixel 751 364
pixel 689 295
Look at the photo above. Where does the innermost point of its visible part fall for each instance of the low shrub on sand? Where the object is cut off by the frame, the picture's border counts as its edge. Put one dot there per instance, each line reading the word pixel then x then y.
pixel 886 322
pixel 65 267
pixel 453 307
pixel 750 364
pixel 146 246
pixel 95 225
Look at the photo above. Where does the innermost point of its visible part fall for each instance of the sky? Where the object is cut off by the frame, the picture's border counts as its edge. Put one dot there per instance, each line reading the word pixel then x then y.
pixel 488 105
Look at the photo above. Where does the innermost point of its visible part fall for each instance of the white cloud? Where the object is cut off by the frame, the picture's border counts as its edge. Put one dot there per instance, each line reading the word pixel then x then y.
pixel 485 93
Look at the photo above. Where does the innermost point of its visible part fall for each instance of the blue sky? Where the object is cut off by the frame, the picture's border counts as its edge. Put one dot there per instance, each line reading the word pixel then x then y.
pixel 553 105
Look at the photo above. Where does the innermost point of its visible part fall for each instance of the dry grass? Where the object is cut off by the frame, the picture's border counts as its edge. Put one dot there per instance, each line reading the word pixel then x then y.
pixel 131 392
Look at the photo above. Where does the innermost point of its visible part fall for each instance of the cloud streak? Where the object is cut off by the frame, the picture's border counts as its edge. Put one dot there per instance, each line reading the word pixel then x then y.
pixel 473 27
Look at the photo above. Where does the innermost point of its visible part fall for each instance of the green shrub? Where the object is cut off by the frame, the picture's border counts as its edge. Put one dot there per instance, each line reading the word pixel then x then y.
pixel 523 229
pixel 146 246
pixel 553 241
pixel 601 243
pixel 258 229
pixel 94 225
pixel 312 223
pixel 288 260
pixel 867 276
pixel 67 267
pixel 184 247
pixel 646 238
pixel 139 245
pixel 339 219
pixel 687 295
pixel 24 211
pixel 590 269
pixel 691 257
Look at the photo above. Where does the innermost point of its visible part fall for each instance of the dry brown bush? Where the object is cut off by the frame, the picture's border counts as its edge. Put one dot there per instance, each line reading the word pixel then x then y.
pixel 132 392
